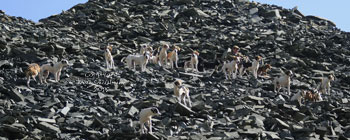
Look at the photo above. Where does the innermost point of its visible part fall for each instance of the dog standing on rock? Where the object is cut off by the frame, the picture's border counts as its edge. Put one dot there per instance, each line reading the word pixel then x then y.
pixel 182 92
pixel 312 96
pixel 250 66
pixel 230 69
pixel 109 57
pixel 325 86
pixel 163 55
pixel 264 69
pixel 283 81
pixel 173 56
pixel 53 68
pixel 32 71
pixel 146 117
pixel 193 63
pixel 133 60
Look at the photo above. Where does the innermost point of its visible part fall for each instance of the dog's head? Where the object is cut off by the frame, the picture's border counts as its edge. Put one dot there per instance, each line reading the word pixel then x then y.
pixel 331 77
pixel 177 48
pixel 195 53
pixel 235 48
pixel 166 46
pixel 289 73
pixel 155 111
pixel 258 58
pixel 150 49
pixel 65 62
pixel 109 47
pixel 143 46
pixel 268 66
pixel 177 83
pixel 236 59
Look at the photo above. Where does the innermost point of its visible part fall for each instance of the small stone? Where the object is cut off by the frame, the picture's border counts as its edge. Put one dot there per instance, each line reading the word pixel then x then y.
pixel 48 127
pixel 183 110
pixel 132 111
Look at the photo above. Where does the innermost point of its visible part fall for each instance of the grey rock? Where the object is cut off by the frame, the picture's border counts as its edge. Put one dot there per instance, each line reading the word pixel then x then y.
pixel 253 11
pixel 183 110
pixel 5 64
pixel 132 111
pixel 48 127
pixel 12 93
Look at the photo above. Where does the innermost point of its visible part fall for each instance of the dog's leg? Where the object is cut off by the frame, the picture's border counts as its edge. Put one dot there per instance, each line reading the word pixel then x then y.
pixel 150 125
pixel 45 77
pixel 142 125
pixel 328 87
pixel 235 73
pixel 33 76
pixel 171 64
pixel 176 62
pixel 224 70
pixel 112 63
pixel 274 85
pixel 133 62
pixel 288 88
pixel 144 66
pixel 183 98
pixel 255 73
pixel 28 81
pixel 241 71
pixel 58 75
pixel 107 62
pixel 41 76
pixel 166 61
pixel 189 99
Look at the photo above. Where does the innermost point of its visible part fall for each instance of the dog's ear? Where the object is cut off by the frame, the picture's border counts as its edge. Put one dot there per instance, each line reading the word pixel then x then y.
pixel 331 77
pixel 258 58
pixel 177 83
pixel 289 73
pixel 196 52
pixel 155 110
pixel 64 61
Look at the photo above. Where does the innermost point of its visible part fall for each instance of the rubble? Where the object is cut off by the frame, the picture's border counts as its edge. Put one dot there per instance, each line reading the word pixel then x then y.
pixel 90 102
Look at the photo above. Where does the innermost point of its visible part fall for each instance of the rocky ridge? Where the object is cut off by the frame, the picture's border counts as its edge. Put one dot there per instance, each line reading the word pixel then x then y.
pixel 93 103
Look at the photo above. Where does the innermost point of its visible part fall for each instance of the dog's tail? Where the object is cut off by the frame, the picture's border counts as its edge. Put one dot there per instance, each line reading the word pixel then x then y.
pixel 123 59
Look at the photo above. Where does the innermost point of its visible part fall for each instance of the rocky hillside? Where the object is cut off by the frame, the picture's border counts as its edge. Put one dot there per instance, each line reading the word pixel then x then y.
pixel 91 102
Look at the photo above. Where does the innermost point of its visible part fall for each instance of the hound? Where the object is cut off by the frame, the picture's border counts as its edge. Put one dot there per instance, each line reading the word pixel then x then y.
pixel 231 68
pixel 312 96
pixel 146 117
pixel 283 81
pixel 173 57
pixel 53 68
pixel 32 71
pixel 325 85
pixel 264 69
pixel 133 60
pixel 162 57
pixel 250 66
pixel 193 62
pixel 298 97
pixel 109 57
pixel 182 92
